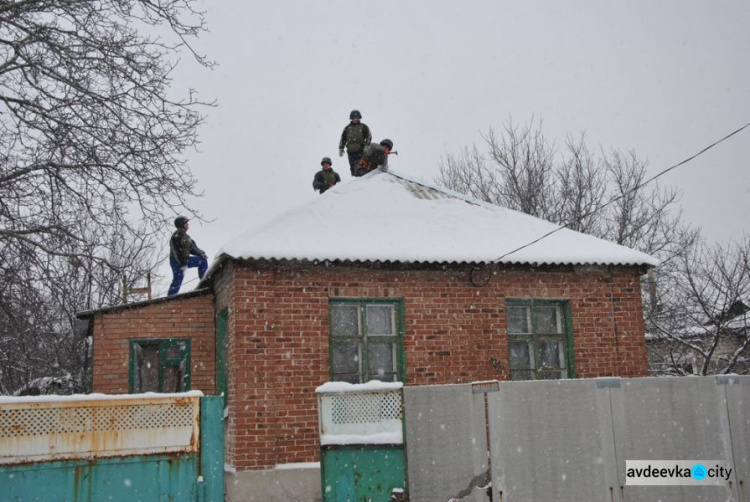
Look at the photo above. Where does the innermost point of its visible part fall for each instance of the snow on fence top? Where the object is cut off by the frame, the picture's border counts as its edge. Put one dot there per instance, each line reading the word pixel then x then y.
pixel 372 385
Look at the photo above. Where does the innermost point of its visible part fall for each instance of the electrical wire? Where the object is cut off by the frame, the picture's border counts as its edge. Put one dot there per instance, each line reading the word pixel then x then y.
pixel 637 187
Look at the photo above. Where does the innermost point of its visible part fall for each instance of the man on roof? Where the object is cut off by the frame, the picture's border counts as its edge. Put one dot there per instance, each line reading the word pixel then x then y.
pixel 184 254
pixel 355 138
pixel 326 177
pixel 375 156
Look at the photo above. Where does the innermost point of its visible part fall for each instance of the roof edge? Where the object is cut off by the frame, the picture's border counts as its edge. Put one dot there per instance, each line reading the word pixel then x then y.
pixel 144 303
pixel 642 267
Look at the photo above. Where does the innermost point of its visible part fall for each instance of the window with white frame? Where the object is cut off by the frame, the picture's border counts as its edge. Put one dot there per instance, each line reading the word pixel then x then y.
pixel 366 340
pixel 539 340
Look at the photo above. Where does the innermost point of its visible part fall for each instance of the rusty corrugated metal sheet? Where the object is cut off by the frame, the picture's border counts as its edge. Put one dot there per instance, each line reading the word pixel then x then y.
pixel 47 430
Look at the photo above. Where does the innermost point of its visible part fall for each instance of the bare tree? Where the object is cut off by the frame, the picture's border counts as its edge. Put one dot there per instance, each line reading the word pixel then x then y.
pixel 526 165
pixel 580 190
pixel 92 145
pixel 38 326
pixel 470 173
pixel 701 325
pixel 89 134
pixel 517 171
pixel 596 194
pixel 645 218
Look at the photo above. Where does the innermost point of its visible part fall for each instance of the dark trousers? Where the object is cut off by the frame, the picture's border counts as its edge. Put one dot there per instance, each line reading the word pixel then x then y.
pixel 178 274
pixel 354 158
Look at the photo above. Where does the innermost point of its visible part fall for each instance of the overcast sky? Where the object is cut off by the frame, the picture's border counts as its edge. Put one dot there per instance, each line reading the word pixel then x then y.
pixel 664 78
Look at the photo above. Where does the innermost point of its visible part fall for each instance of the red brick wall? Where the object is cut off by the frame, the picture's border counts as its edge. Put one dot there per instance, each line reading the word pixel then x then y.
pixel 454 333
pixel 181 317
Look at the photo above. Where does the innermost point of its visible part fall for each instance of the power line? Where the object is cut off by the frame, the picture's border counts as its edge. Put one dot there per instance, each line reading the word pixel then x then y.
pixel 637 187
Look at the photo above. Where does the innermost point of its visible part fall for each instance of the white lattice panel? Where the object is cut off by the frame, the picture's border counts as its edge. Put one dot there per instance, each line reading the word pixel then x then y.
pixel 66 429
pixel 361 414
pixel 365 408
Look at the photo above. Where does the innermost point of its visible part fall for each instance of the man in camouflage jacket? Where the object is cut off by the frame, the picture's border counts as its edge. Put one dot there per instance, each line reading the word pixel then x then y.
pixel 355 138
pixel 375 156
pixel 184 254
pixel 326 177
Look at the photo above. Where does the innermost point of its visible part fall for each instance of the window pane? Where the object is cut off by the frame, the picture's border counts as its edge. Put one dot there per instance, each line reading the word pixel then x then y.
pixel 173 379
pixel 522 375
pixel 520 357
pixel 381 361
pixel 346 357
pixel 540 354
pixel 364 338
pixel 551 354
pixel 518 320
pixel 137 356
pixel 346 377
pixel 175 351
pixel 380 320
pixel 549 375
pixel 147 367
pixel 547 319
pixel 344 320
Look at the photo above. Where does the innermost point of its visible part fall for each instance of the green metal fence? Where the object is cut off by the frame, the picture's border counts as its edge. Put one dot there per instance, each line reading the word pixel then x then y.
pixel 126 448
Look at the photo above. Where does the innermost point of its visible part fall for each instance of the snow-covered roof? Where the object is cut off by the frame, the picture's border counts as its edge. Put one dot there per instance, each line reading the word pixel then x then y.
pixel 390 217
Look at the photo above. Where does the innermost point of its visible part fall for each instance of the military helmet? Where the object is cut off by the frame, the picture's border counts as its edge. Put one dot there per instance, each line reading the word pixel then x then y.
pixel 355 115
pixel 180 221
pixel 387 142
pixel 326 160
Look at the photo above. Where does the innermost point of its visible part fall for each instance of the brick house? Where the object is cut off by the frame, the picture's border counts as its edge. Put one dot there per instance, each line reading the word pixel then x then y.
pixel 382 277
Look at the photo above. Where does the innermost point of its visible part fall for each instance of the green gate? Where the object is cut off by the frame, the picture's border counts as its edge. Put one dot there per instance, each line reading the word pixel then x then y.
pixel 362 444
pixel 362 473
pixel 119 448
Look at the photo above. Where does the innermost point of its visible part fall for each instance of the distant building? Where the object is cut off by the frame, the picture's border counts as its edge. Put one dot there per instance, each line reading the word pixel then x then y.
pixel 673 355
pixel 383 277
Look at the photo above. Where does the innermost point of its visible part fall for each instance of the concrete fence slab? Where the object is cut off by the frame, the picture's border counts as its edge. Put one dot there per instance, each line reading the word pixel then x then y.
pixel 551 440
pixel 670 419
pixel 446 443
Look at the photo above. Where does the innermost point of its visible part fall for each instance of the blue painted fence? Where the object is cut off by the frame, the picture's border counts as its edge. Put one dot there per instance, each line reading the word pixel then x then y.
pixel 145 461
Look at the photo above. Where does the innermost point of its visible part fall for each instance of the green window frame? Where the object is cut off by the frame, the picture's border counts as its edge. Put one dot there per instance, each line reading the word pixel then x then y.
pixel 159 365
pixel 540 339
pixel 366 340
